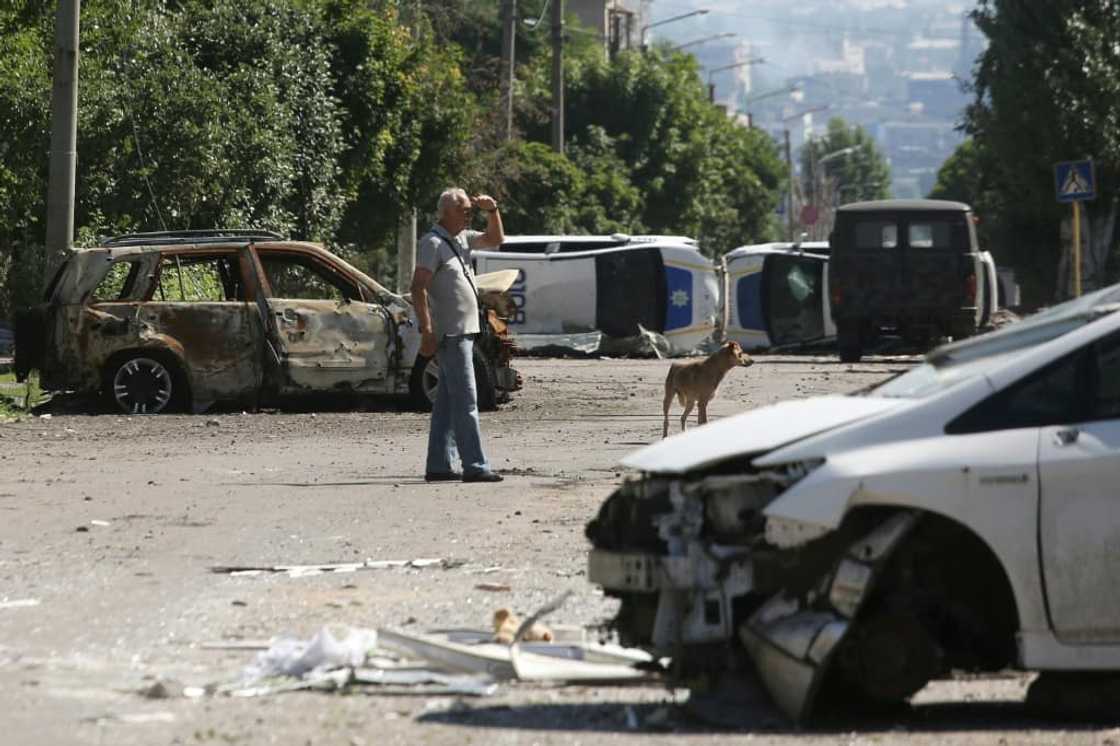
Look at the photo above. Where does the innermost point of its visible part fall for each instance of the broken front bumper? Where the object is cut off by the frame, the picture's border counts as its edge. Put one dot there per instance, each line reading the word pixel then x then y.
pixel 699 592
pixel 694 592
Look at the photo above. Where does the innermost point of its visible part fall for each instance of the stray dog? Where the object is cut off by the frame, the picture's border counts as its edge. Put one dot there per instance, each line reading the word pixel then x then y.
pixel 696 382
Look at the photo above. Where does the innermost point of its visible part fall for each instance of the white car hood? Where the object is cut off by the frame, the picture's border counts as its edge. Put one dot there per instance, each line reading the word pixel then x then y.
pixel 756 431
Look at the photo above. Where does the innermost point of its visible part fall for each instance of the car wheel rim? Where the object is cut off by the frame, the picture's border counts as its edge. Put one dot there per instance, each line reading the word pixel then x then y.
pixel 142 386
pixel 430 380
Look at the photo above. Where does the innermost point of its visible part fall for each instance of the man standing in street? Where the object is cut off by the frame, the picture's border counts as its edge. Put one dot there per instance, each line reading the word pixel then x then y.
pixel 447 309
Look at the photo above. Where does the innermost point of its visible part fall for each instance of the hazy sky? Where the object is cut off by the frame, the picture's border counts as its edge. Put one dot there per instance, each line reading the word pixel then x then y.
pixel 792 35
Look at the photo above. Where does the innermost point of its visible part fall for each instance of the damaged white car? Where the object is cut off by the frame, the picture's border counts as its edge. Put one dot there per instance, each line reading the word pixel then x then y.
pixel 852 548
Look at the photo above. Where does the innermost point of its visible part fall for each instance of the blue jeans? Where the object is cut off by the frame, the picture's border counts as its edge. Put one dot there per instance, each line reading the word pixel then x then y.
pixel 455 410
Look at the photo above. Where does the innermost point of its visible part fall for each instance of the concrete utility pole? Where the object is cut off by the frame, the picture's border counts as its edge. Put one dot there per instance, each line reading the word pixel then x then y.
pixel 509 43
pixel 406 249
pixel 558 75
pixel 789 196
pixel 64 136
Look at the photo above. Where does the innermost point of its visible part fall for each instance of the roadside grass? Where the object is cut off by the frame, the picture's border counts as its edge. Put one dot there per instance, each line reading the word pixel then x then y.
pixel 19 399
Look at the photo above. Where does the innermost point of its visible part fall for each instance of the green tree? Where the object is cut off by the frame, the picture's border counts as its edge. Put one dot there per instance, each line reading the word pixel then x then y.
pixel 1047 89
pixel 968 176
pixel 321 119
pixel 845 165
pixel 585 191
pixel 24 142
pixel 407 119
pixel 697 172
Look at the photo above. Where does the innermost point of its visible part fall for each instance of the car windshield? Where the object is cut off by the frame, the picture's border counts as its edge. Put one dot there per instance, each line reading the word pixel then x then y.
pixel 928 379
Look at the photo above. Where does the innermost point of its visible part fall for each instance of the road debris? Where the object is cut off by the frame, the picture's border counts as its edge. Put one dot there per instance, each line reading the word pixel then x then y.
pixel 463 662
pixel 135 718
pixel 495 587
pixel 162 689
pixel 644 344
pixel 18 603
pixel 300 571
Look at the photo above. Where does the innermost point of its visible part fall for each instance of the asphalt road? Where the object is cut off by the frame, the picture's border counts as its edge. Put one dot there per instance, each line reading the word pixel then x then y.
pixel 110 525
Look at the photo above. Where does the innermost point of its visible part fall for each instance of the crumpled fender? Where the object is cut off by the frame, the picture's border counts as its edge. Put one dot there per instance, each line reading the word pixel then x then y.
pixel 792 642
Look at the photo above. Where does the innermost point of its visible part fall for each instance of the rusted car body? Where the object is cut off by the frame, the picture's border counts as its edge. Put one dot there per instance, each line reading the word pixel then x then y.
pixel 191 319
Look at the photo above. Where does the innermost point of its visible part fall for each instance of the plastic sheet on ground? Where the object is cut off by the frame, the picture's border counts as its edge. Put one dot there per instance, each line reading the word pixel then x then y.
pixel 302 571
pixel 645 343
pixel 453 662
pixel 289 656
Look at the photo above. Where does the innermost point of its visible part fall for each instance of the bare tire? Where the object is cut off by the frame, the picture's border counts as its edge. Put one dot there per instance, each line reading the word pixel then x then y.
pixel 848 343
pixel 486 382
pixel 424 382
pixel 144 383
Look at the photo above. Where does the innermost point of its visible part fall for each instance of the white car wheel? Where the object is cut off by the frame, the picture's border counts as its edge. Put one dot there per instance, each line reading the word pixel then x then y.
pixel 142 385
pixel 430 380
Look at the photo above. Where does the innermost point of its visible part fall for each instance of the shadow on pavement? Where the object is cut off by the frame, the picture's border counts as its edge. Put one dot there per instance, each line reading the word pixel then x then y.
pixel 646 717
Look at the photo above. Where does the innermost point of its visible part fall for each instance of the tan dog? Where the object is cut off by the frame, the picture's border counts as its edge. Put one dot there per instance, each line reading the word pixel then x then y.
pixel 696 382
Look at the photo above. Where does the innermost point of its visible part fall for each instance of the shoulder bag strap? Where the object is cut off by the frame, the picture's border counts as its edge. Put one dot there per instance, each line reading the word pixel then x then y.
pixel 466 273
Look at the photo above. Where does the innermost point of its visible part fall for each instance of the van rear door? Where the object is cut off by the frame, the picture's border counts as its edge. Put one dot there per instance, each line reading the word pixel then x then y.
pixel 938 261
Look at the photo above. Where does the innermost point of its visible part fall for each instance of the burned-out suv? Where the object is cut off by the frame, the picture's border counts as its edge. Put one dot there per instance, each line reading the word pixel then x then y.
pixel 183 320
pixel 912 266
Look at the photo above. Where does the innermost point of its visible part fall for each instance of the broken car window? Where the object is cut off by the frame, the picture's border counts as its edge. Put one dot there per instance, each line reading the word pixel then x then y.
pixel 199 279
pixel 299 278
pixel 117 283
pixel 793 298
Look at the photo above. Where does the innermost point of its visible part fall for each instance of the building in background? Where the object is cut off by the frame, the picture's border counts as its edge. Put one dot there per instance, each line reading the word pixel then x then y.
pixel 617 22
pixel 893 67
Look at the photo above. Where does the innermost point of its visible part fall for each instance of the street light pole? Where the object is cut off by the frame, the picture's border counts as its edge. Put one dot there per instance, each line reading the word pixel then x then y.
pixel 706 39
pixel 771 94
pixel 682 16
pixel 732 66
pixel 64 136
pixel 789 162
pixel 827 192
pixel 558 76
pixel 509 41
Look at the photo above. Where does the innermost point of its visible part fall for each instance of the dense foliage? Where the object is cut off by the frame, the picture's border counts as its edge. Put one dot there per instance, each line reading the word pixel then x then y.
pixel 846 163
pixel 1047 89
pixel 330 119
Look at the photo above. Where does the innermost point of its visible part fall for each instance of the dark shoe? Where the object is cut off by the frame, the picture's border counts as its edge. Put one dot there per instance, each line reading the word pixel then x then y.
pixel 442 476
pixel 483 476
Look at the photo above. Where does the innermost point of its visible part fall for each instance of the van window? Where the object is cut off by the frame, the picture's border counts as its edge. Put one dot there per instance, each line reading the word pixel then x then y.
pixel 295 277
pixel 199 279
pixel 117 282
pixel 876 234
pixel 930 235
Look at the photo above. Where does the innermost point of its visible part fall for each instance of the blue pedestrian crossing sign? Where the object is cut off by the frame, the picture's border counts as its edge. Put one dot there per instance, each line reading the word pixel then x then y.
pixel 1075 181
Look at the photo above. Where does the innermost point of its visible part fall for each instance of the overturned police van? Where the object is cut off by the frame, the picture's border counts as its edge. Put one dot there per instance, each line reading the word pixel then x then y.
pixel 614 285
